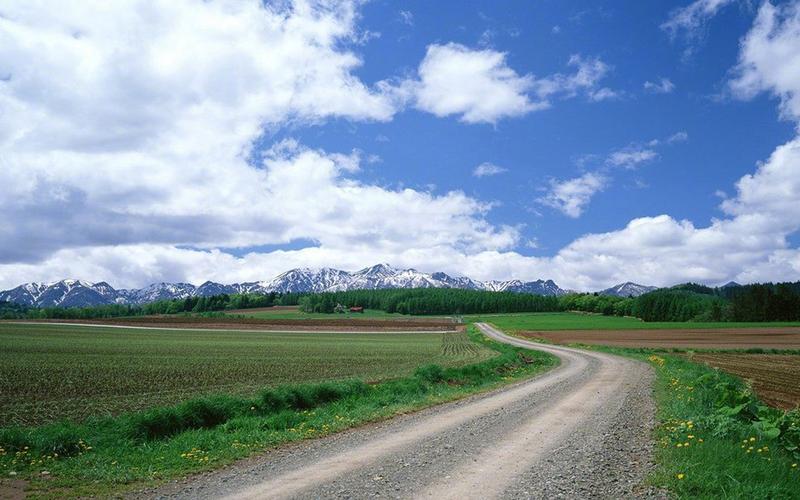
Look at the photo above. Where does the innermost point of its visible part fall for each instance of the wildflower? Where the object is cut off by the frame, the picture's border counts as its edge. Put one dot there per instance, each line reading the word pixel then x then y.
pixel 794 466
pixel 752 439
pixel 680 476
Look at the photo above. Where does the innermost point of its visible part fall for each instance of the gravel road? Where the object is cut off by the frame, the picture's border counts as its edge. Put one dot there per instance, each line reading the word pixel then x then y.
pixel 582 430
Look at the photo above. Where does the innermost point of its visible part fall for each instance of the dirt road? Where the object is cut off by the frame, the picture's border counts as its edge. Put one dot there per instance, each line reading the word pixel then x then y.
pixel 580 430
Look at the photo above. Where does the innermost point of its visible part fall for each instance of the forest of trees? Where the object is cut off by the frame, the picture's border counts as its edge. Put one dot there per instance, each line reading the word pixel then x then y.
pixel 686 302
pixel 693 302
pixel 431 301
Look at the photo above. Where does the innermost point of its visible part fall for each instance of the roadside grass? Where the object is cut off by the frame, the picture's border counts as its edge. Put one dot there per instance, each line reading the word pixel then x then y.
pixel 715 439
pixel 103 456
pixel 53 372
pixel 582 321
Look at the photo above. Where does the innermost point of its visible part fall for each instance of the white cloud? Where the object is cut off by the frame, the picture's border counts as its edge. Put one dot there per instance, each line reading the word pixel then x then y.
pixel 663 86
pixel 572 195
pixel 681 136
pixel 406 17
pixel 588 73
pixel 631 157
pixel 479 85
pixel 476 84
pixel 486 169
pixel 130 128
pixel 769 59
pixel 692 17
pixel 603 94
pixel 124 136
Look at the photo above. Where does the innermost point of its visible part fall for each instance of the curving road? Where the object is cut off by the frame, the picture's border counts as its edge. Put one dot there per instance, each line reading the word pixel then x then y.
pixel 581 430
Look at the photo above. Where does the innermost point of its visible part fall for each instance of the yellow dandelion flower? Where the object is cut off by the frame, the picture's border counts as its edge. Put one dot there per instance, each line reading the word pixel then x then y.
pixel 680 476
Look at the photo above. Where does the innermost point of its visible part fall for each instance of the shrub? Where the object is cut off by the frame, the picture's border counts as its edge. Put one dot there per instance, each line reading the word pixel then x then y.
pixel 430 373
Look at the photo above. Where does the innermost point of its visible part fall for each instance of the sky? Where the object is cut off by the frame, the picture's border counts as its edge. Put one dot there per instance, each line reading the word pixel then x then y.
pixel 587 142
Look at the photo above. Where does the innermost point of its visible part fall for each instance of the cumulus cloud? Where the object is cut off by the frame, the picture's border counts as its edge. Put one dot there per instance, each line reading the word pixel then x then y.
pixel 769 59
pixel 480 87
pixel 132 128
pixel 126 155
pixel 663 86
pixel 572 195
pixel 487 169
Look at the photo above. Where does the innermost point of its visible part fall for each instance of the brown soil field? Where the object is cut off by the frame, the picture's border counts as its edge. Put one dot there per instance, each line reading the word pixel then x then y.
pixel 774 377
pixel 332 325
pixel 722 338
pixel 262 309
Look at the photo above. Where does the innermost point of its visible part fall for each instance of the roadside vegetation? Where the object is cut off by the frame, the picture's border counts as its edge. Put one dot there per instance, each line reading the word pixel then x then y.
pixel 716 439
pixel 106 454
pixel 775 378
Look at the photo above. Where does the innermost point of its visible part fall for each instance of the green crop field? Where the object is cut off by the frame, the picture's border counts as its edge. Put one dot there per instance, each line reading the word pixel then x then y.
pixel 581 321
pixel 49 372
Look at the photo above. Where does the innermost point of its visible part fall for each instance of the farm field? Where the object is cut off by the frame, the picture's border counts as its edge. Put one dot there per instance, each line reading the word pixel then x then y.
pixel 775 378
pixel 49 372
pixel 517 322
pixel 235 322
pixel 727 338
pixel 293 312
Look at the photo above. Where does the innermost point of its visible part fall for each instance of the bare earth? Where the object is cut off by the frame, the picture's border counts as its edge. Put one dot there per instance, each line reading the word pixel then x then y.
pixel 722 338
pixel 775 378
pixel 580 430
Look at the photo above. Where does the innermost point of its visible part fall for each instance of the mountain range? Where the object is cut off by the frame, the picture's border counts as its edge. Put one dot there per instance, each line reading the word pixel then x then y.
pixel 76 293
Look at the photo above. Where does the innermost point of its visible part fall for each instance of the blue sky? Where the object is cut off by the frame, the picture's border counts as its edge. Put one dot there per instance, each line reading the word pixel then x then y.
pixel 726 137
pixel 644 141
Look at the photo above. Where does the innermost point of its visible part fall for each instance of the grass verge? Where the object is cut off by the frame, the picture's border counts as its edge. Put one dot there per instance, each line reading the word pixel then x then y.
pixel 107 455
pixel 715 438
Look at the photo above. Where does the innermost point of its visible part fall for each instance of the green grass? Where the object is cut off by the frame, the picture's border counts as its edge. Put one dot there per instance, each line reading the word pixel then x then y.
pixel 113 454
pixel 730 454
pixel 49 372
pixel 578 321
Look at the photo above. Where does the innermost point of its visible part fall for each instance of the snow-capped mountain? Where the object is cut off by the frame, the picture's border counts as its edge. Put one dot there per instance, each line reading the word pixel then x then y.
pixel 628 290
pixel 74 293
pixel 538 287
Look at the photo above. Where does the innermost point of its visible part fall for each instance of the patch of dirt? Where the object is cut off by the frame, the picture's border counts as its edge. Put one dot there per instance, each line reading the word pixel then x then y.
pixel 774 377
pixel 722 338
pixel 12 489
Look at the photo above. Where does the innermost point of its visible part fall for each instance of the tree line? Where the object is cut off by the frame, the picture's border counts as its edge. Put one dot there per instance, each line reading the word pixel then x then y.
pixel 686 302
pixel 693 302
pixel 222 302
pixel 430 301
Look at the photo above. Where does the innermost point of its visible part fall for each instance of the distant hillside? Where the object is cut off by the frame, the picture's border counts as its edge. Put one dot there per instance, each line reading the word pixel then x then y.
pixel 76 293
